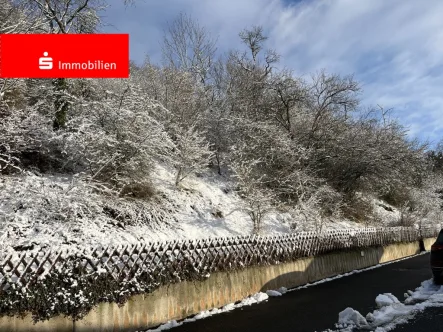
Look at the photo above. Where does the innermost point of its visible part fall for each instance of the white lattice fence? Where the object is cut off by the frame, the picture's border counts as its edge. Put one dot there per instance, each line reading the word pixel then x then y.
pixel 160 263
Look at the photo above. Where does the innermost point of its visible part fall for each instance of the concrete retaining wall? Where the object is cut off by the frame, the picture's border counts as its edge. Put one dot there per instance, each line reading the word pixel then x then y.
pixel 180 300
pixel 428 243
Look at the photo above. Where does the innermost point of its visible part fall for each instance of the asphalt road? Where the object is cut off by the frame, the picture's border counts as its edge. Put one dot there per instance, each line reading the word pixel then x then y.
pixel 429 320
pixel 316 308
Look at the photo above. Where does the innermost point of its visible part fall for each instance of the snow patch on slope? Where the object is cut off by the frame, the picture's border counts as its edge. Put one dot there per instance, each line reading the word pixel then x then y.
pixel 385 212
pixel 65 211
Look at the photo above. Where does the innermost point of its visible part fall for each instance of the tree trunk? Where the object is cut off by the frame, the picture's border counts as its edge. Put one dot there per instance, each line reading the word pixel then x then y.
pixel 178 177
pixel 60 104
pixel 217 158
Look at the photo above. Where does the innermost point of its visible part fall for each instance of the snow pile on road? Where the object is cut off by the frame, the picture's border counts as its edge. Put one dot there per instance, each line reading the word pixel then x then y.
pixel 282 290
pixel 351 318
pixel 253 299
pixel 167 326
pixel 278 292
pixel 386 299
pixel 256 298
pixel 273 293
pixel 391 312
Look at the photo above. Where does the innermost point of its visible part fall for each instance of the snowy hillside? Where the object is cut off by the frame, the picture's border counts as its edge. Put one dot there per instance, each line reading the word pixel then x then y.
pixel 37 211
pixel 241 147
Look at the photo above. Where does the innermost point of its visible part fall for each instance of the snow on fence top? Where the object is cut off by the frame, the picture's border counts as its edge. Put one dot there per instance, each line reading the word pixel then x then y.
pixel 166 262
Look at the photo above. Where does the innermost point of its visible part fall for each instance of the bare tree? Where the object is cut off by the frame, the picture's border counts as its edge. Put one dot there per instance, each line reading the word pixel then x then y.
pixel 15 17
pixel 67 16
pixel 18 17
pixel 248 74
pixel 257 202
pixel 288 96
pixel 193 153
pixel 333 97
pixel 254 39
pixel 70 16
pixel 190 47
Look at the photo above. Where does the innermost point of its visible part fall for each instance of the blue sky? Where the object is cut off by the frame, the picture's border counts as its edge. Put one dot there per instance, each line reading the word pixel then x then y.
pixel 394 48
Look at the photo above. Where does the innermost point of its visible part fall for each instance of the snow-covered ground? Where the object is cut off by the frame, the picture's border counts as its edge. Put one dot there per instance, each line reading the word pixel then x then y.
pixel 391 311
pixel 385 212
pixel 39 211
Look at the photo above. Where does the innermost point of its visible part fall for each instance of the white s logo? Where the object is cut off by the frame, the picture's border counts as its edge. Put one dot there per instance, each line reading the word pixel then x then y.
pixel 45 62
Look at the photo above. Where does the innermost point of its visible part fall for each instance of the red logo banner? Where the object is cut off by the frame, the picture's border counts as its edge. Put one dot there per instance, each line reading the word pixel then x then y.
pixel 64 56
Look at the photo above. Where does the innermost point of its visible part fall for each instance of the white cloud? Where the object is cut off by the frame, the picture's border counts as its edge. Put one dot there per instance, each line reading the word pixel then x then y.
pixel 395 48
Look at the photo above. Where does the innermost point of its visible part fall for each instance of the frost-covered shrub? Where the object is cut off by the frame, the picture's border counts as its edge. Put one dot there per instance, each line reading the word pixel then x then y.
pixel 112 133
pixel 38 211
pixel 140 189
pixel 358 208
pixel 27 141
pixel 277 160
pixel 423 205
pixel 428 201
pixel 273 168
pixel 316 208
pixel 117 139
pixel 193 153
pixel 398 196
pixel 257 201
pixel 12 95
